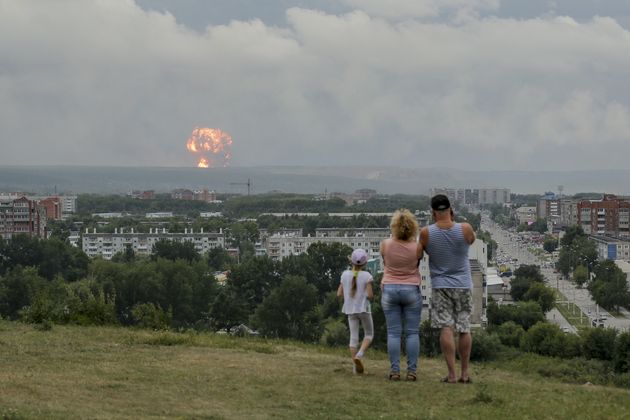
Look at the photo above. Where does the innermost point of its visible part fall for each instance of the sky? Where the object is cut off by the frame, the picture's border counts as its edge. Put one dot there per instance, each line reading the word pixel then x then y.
pixel 466 84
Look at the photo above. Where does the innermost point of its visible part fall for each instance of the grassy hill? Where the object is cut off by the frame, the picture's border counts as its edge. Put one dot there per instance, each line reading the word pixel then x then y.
pixel 102 372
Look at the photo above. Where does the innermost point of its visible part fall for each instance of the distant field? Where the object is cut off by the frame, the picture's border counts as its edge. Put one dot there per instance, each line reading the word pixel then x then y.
pixel 95 372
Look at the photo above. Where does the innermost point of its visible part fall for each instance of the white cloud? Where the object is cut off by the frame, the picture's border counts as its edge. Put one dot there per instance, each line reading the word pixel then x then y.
pixel 399 9
pixel 104 82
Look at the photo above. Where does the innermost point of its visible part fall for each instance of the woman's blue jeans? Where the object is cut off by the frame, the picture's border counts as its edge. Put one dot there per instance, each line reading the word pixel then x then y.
pixel 402 305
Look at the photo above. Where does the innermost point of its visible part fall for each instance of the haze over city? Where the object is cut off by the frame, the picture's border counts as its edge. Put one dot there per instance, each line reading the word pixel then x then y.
pixel 473 85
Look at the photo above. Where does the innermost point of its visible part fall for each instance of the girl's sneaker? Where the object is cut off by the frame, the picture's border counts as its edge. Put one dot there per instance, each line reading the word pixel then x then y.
pixel 358 365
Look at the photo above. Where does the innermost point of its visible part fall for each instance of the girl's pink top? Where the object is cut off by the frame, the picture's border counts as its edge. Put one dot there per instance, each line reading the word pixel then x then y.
pixel 401 262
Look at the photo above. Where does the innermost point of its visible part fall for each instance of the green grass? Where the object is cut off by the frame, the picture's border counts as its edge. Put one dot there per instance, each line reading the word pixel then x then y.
pixel 571 312
pixel 103 372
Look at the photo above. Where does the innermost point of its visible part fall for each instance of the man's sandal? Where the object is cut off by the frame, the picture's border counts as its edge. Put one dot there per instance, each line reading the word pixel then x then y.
pixel 411 376
pixel 393 376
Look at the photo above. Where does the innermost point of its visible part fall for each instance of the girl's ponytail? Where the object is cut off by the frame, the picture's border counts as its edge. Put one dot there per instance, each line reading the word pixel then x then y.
pixel 353 289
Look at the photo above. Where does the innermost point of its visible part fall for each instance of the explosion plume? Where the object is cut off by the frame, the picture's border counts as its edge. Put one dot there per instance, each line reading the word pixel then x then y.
pixel 211 145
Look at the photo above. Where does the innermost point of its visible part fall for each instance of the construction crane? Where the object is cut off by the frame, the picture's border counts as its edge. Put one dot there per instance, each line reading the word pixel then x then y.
pixel 248 183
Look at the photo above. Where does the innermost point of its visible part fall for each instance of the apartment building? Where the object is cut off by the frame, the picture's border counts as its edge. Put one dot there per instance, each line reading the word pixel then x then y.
pixel 525 214
pixel 197 195
pixel 288 243
pixel 568 212
pixel 611 248
pixel 475 197
pixel 106 245
pixel 22 216
pixel 608 216
pixel 548 207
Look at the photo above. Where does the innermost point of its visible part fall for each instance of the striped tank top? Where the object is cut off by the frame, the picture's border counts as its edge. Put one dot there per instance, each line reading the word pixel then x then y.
pixel 448 258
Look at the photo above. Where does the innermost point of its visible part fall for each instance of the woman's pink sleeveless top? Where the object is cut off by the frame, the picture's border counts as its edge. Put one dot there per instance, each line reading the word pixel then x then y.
pixel 401 262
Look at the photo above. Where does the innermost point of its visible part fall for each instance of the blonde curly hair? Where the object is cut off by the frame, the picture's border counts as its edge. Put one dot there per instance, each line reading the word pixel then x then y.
pixel 404 225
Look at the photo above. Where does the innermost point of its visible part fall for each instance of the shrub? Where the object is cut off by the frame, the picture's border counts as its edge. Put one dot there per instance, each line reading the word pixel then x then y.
pixel 336 334
pixel 510 334
pixel 621 353
pixel 622 380
pixel 82 302
pixel 40 310
pixel 524 314
pixel 549 340
pixel 150 315
pixel 598 343
pixel 485 346
pixel 87 304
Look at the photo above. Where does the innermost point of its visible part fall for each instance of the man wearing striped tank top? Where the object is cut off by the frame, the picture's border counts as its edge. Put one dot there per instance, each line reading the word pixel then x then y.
pixel 447 243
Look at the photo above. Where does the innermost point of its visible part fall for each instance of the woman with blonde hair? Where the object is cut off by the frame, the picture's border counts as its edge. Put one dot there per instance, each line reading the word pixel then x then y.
pixel 401 298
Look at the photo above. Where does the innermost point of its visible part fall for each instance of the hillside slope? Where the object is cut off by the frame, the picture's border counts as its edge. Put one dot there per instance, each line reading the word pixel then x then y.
pixel 103 372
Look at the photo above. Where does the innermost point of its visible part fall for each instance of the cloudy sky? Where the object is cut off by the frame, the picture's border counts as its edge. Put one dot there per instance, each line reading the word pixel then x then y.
pixel 471 84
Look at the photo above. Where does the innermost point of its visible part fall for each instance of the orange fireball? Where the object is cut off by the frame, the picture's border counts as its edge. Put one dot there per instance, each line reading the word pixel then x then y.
pixel 209 143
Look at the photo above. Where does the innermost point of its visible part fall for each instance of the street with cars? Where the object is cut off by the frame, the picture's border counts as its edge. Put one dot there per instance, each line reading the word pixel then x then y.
pixel 516 249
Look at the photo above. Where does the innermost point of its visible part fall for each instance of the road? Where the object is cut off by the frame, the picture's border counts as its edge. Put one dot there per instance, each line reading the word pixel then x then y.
pixel 511 247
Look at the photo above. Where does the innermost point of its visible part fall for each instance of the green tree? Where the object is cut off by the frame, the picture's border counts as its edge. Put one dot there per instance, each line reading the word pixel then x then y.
pixel 491 244
pixel 329 261
pixel 510 333
pixel 20 250
pixel 18 289
pixel 580 251
pixel 228 309
pixel 621 353
pixel 525 314
pixel 580 275
pixel 128 255
pixel 254 280
pixel 540 226
pixel 240 232
pixel 524 277
pixel 529 271
pixel 571 234
pixel 598 343
pixel 172 250
pixel 549 340
pixel 290 311
pixel 219 259
pixel 541 294
pixel 609 287
pixel 550 243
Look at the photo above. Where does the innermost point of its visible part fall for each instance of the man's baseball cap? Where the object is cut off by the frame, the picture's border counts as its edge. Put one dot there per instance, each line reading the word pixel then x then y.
pixel 440 202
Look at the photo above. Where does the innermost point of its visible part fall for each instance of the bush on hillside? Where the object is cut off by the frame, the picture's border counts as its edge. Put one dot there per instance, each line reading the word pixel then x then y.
pixel 83 302
pixel 549 340
pixel 510 334
pixel 485 346
pixel 150 315
pixel 622 380
pixel 621 353
pixel 336 334
pixel 598 343
pixel 525 314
